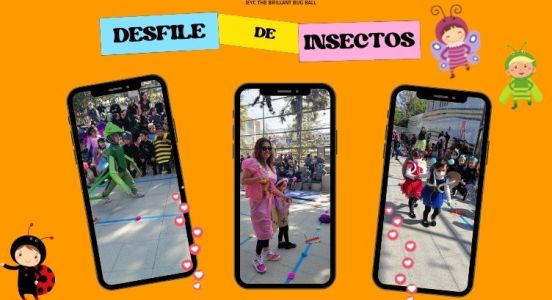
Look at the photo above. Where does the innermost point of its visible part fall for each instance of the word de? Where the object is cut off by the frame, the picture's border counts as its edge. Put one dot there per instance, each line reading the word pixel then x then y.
pixel 265 32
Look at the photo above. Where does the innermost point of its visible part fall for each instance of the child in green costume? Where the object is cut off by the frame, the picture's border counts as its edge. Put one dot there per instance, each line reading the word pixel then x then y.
pixel 118 165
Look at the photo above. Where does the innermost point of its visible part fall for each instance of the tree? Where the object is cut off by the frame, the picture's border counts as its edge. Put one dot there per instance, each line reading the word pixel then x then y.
pixel 318 99
pixel 408 105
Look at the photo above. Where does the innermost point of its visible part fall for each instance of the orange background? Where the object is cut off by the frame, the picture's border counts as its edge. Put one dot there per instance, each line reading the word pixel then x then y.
pixel 49 48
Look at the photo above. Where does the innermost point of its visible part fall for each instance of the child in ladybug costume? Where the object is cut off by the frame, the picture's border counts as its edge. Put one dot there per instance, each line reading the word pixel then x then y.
pixel 34 278
pixel 413 173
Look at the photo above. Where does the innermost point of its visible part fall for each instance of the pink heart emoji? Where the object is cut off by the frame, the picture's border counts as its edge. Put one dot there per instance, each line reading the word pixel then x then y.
pixel 389 210
pixel 197 286
pixel 194 249
pixel 392 234
pixel 197 232
pixel 198 275
pixel 397 221
pixel 187 265
pixel 400 278
pixel 410 246
pixel 411 288
pixel 175 196
pixel 407 262
pixel 184 208
pixel 179 221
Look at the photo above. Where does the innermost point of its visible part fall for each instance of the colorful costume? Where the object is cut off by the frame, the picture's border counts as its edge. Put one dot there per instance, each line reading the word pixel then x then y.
pixel 260 199
pixel 434 192
pixel 412 187
pixel 117 170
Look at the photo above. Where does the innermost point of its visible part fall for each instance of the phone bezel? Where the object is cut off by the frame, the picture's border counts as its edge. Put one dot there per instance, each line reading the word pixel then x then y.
pixel 441 95
pixel 122 86
pixel 284 89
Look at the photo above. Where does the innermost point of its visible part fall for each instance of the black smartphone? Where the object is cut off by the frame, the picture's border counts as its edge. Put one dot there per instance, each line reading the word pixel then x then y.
pixel 285 162
pixel 125 147
pixel 434 166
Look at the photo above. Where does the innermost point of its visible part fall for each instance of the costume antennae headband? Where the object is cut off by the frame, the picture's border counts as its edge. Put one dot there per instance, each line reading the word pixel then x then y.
pixel 47 237
pixel 523 46
pixel 455 9
pixel 436 9
pixel 29 229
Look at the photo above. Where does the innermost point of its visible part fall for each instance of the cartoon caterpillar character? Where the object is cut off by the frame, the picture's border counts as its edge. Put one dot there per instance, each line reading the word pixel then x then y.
pixel 520 66
pixel 34 278
pixel 455 46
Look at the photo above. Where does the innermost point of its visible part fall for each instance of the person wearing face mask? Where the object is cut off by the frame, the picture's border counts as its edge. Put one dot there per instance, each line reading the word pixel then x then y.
pixel 435 191
pixel 413 173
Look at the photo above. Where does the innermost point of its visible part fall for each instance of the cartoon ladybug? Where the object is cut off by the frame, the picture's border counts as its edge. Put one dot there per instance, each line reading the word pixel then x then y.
pixel 34 278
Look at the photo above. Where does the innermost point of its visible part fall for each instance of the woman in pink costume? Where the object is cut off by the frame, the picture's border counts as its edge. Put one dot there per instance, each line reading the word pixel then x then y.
pixel 259 178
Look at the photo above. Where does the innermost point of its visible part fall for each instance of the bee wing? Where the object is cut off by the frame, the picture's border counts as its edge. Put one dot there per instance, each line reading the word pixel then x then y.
pixel 505 95
pixel 536 92
pixel 437 49
pixel 474 41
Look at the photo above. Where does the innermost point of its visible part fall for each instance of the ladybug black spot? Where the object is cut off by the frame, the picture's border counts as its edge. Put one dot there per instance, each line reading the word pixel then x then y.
pixel 53 279
pixel 42 279
pixel 49 270
pixel 40 290
pixel 49 289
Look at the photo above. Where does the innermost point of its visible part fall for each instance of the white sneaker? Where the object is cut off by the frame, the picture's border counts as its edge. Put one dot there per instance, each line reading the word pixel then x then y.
pixel 271 256
pixel 258 264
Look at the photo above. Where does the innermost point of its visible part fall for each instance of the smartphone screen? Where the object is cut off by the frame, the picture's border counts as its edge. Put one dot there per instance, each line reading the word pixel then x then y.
pixel 284 156
pixel 435 158
pixel 127 156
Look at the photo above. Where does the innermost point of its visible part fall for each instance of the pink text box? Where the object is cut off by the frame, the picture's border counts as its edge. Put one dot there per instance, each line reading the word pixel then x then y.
pixel 364 32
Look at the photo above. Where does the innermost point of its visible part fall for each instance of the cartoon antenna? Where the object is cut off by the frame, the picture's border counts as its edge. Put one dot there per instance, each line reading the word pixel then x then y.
pixel 29 229
pixel 518 50
pixel 47 238
pixel 435 9
pixel 456 9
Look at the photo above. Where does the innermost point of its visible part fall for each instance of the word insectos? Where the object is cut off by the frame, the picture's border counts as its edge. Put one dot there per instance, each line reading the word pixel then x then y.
pixel 455 45
pixel 520 66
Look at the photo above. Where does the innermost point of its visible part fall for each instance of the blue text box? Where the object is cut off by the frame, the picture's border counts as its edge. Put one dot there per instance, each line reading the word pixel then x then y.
pixel 146 34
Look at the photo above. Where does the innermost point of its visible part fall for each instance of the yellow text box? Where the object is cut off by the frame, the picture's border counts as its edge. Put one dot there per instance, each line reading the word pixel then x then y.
pixel 240 31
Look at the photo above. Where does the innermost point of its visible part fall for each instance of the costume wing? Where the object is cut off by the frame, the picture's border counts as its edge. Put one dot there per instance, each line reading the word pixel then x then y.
pixel 437 49
pixel 474 41
pixel 505 95
pixel 536 92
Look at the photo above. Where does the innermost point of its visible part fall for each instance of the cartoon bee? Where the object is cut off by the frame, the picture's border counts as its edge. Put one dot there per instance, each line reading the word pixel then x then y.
pixel 455 46
pixel 520 66
pixel 34 278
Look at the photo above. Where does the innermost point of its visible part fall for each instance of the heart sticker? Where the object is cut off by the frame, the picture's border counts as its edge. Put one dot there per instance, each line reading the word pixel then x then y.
pixel 198 275
pixel 397 221
pixel 184 208
pixel 194 249
pixel 179 221
pixel 197 286
pixel 400 278
pixel 197 232
pixel 389 210
pixel 186 265
pixel 410 246
pixel 407 262
pixel 175 196
pixel 411 288
pixel 392 234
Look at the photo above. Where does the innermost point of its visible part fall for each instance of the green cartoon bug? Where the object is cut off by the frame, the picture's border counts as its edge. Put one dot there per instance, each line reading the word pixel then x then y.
pixel 520 66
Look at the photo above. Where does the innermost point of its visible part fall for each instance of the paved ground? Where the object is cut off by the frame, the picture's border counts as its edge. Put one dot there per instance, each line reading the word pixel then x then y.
pixel 311 263
pixel 442 255
pixel 131 250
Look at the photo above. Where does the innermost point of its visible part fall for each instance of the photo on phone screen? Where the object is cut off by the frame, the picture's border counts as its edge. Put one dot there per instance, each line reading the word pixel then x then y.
pixel 126 151
pixel 431 192
pixel 285 190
